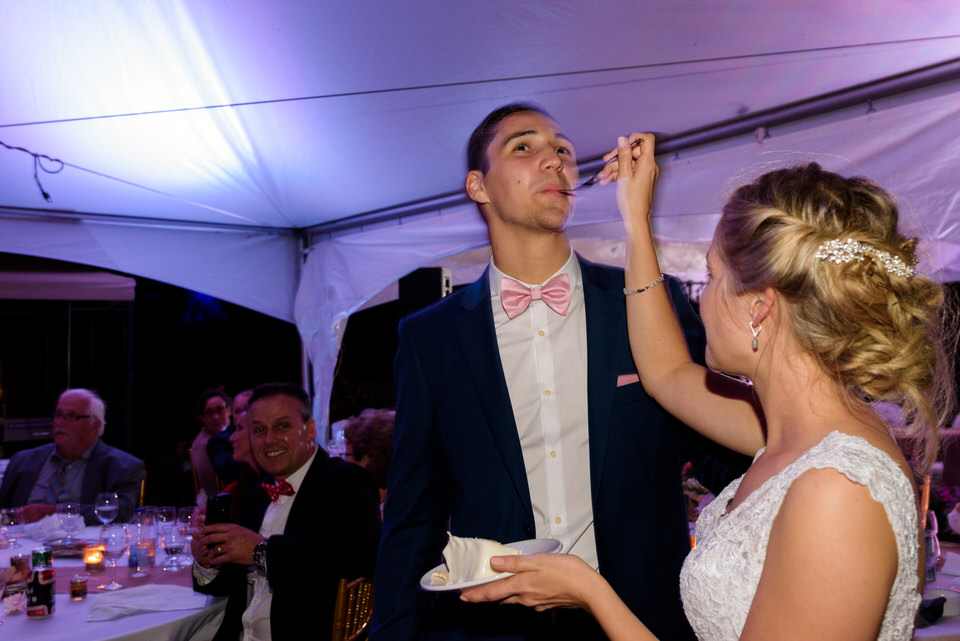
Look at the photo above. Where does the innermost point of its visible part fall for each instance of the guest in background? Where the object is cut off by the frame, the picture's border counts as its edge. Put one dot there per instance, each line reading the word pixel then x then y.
pixel 213 411
pixel 369 437
pixel 220 446
pixel 250 472
pixel 315 524
pixel 75 467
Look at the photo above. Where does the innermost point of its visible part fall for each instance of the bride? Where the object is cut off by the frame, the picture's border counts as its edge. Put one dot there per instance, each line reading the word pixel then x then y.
pixel 813 297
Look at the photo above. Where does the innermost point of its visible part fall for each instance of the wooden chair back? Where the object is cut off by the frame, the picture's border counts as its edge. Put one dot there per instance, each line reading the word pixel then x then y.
pixel 353 609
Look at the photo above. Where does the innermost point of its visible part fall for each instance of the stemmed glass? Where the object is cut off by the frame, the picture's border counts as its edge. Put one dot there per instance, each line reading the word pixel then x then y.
pixel 172 542
pixel 11 524
pixel 166 517
pixel 107 507
pixel 71 520
pixel 187 524
pixel 115 540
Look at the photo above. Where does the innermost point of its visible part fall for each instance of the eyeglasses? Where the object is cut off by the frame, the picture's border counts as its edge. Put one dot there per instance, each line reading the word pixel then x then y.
pixel 69 416
pixel 213 411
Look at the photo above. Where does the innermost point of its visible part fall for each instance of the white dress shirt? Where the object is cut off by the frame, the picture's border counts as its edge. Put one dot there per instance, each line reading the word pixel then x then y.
pixel 544 357
pixel 256 618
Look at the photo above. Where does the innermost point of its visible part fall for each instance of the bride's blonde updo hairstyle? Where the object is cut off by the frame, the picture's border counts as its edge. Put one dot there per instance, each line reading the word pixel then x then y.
pixel 875 328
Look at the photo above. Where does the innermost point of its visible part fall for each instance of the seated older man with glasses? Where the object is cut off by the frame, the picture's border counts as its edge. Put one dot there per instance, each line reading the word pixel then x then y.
pixel 76 467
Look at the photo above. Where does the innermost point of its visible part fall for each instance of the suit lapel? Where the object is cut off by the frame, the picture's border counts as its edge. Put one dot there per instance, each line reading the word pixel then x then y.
pixel 605 342
pixel 88 489
pixel 477 340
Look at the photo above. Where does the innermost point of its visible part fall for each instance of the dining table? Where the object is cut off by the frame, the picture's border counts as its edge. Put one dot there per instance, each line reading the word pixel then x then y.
pixel 71 620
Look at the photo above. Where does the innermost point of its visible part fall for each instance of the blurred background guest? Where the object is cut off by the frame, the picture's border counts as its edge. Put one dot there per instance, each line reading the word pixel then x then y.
pixel 369 439
pixel 220 445
pixel 75 467
pixel 250 472
pixel 213 411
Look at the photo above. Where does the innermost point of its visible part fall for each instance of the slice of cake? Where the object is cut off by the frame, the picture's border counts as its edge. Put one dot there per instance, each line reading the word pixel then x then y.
pixel 469 559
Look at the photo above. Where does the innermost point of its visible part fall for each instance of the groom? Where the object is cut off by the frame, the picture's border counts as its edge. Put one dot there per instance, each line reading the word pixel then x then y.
pixel 520 414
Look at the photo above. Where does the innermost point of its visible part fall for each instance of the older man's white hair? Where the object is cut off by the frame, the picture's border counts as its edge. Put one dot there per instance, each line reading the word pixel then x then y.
pixel 95 405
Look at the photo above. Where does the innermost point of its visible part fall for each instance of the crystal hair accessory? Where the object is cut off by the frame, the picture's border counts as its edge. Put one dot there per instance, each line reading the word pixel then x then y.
pixel 835 251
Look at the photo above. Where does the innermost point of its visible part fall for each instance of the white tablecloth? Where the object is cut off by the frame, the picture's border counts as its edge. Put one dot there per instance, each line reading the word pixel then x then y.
pixel 69 621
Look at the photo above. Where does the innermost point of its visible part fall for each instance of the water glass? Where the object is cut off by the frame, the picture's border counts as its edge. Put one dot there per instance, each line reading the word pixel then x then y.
pixel 172 542
pixel 71 520
pixel 166 518
pixel 142 545
pixel 107 507
pixel 115 540
pixel 11 524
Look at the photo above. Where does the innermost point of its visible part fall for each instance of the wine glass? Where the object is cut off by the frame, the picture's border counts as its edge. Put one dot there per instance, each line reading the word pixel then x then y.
pixel 107 507
pixel 11 524
pixel 71 520
pixel 115 540
pixel 166 517
pixel 931 546
pixel 172 542
pixel 187 523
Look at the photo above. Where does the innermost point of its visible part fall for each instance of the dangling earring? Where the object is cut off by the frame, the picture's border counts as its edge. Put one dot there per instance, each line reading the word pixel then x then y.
pixel 756 332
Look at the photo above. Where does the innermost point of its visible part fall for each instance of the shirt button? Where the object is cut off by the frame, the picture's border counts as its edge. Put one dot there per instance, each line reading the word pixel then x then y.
pixel 553 454
pixel 547 392
pixel 557 520
pixel 541 333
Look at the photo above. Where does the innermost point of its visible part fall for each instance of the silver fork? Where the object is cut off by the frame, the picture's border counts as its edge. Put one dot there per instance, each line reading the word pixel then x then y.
pixel 594 179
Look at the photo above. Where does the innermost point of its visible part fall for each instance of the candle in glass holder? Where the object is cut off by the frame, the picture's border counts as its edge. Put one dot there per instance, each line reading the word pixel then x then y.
pixel 93 557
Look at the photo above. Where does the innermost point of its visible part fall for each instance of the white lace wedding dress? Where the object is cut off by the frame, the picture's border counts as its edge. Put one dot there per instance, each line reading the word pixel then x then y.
pixel 720 577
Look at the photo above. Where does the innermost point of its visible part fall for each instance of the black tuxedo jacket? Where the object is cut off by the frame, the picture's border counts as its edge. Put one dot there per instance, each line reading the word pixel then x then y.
pixel 331 532
pixel 108 470
pixel 458 463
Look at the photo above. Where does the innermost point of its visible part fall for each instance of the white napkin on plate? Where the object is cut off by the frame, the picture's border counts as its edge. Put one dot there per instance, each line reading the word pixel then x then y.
pixel 144 598
pixel 952 565
pixel 46 529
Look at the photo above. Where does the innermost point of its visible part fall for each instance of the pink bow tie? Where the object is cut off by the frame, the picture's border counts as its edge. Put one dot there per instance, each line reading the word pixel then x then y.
pixel 516 297
pixel 281 488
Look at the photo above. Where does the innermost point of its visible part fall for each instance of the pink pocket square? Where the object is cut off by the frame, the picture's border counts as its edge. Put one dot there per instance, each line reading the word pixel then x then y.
pixel 627 379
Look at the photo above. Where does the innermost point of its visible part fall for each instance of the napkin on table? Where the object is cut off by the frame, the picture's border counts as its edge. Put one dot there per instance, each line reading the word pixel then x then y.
pixel 46 529
pixel 952 565
pixel 144 598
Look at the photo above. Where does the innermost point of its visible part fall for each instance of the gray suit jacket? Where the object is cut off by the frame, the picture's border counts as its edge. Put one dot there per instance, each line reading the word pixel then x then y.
pixel 108 470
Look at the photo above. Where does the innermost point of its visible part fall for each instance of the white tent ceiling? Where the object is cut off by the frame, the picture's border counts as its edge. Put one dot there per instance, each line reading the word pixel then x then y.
pixel 206 144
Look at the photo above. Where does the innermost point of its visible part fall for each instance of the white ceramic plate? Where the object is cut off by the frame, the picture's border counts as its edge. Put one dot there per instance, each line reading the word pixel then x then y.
pixel 529 546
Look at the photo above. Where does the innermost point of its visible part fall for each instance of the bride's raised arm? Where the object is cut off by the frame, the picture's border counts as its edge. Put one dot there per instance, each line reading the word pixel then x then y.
pixel 721 408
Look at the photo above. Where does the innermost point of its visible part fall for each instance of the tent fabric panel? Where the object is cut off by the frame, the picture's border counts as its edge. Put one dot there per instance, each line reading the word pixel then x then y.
pixel 258 271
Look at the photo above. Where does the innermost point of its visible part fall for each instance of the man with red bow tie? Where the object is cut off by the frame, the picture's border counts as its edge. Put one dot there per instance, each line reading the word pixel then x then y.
pixel 520 414
pixel 313 521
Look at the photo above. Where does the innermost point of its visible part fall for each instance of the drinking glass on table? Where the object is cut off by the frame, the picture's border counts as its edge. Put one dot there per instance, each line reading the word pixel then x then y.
pixel 107 507
pixel 71 520
pixel 115 540
pixel 166 518
pixel 172 542
pixel 187 523
pixel 11 523
pixel 142 543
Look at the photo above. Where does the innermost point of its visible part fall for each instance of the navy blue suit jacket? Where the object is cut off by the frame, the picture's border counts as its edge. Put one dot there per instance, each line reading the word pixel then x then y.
pixel 457 459
pixel 108 470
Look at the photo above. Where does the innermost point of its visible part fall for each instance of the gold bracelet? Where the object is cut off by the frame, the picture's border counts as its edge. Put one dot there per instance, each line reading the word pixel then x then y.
pixel 631 292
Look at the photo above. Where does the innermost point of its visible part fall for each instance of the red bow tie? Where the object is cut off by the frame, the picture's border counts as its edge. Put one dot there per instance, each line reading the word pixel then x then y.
pixel 516 297
pixel 281 488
